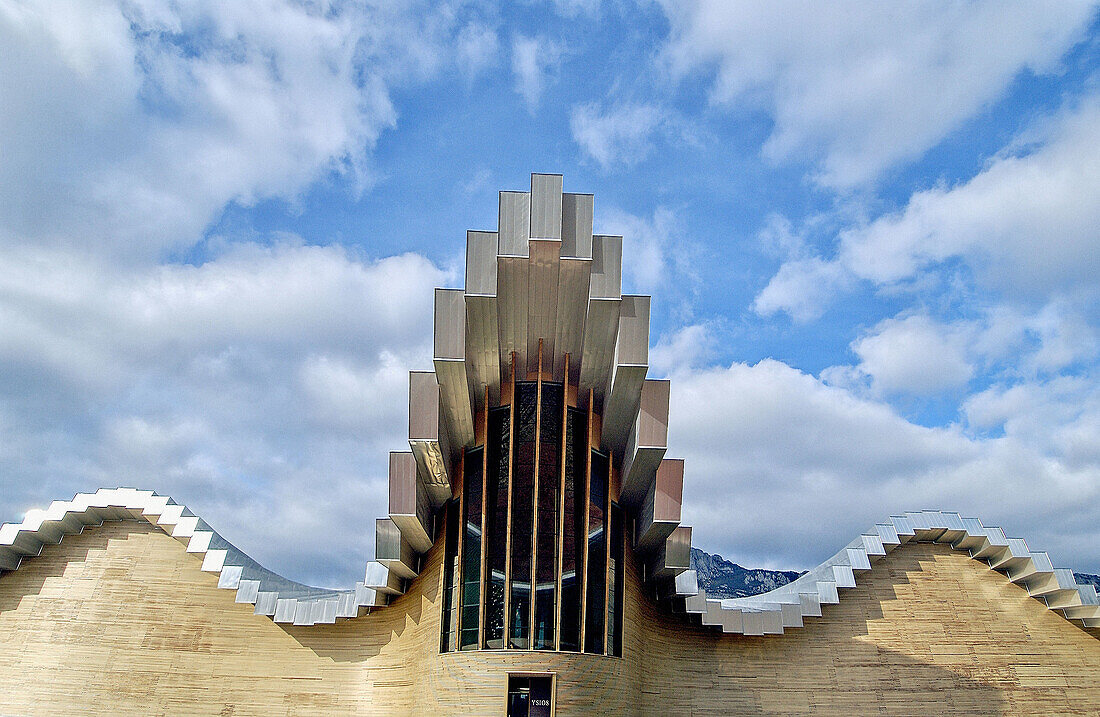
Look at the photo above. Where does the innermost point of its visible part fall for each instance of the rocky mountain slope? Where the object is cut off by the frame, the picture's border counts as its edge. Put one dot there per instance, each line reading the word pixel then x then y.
pixel 724 579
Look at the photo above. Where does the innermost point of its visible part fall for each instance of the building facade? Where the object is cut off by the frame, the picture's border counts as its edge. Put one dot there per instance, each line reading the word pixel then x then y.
pixel 532 561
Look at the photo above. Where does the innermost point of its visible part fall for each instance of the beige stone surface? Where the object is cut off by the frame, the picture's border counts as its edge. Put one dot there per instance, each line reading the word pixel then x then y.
pixel 120 619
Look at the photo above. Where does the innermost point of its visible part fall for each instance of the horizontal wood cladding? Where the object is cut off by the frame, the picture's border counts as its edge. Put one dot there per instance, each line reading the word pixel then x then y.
pixel 121 618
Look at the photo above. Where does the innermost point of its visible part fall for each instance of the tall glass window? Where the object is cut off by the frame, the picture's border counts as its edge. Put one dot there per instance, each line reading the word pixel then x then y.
pixel 615 570
pixel 496 523
pixel 546 533
pixel 597 555
pixel 523 508
pixel 471 549
pixel 448 636
pixel 572 545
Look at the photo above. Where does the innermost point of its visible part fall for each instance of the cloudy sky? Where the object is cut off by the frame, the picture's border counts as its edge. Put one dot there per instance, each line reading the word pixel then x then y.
pixel 872 234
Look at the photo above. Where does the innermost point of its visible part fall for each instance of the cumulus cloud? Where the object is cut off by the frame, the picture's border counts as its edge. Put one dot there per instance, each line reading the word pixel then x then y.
pixel 127 126
pixel 255 387
pixel 858 87
pixel 533 61
pixel 915 355
pixel 621 135
pixel 1025 225
pixel 478 47
pixel 654 247
pixel 783 469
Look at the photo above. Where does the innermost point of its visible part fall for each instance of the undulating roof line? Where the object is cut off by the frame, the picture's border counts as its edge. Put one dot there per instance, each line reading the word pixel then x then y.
pixel 286 601
pixel 773 612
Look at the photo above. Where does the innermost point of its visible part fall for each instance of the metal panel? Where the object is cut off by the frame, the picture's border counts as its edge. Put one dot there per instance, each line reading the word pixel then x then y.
pixel 393 550
pixel 482 338
pixel 482 348
pixel 513 223
pixel 542 302
pixel 450 365
pixel 381 579
pixel 428 443
pixel 574 276
pixel 647 441
pixel 672 557
pixel 512 311
pixel 659 513
pixel 410 507
pixel 600 329
pixel 607 267
pixel 481 263
pixel 546 204
pixel 631 365
pixel 576 225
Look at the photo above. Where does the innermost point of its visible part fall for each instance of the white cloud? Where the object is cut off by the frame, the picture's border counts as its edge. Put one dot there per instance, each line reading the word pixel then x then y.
pixel 533 59
pixel 126 126
pixel 915 355
pixel 783 469
pixel 654 247
pixel 1025 225
pixel 621 135
pixel 478 48
pixel 801 288
pixel 862 86
pixel 255 387
pixel 684 349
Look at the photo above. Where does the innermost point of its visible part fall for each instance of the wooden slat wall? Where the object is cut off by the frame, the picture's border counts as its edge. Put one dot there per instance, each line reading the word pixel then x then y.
pixel 120 618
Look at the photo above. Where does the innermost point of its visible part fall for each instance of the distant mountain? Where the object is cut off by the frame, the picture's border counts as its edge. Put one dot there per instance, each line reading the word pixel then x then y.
pixel 1087 578
pixel 722 579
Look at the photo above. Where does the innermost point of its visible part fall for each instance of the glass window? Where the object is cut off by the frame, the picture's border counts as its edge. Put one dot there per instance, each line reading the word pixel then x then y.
pixel 597 554
pixel 471 549
pixel 496 523
pixel 572 550
pixel 546 535
pixel 448 621
pixel 615 570
pixel 523 509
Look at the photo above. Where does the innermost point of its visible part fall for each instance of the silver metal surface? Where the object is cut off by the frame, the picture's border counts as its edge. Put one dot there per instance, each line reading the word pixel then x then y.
pixel 576 226
pixel 513 223
pixel 546 206
pixel 542 302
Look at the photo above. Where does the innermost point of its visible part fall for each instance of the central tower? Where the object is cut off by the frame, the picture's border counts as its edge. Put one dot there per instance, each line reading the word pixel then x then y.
pixel 537 439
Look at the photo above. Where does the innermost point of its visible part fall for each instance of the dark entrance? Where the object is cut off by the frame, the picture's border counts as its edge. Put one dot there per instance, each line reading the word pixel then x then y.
pixel 530 695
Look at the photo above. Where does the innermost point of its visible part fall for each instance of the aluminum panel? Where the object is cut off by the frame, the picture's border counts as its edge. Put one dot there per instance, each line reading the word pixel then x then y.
pixel 542 302
pixel 546 206
pixel 410 507
pixel 646 443
pixel 607 267
pixel 512 311
pixel 393 550
pixel 600 329
pixel 481 263
pixel 382 580
pixel 621 407
pixel 574 276
pixel 429 445
pixel 659 513
pixel 449 331
pixel 482 348
pixel 450 367
pixel 576 225
pixel 513 223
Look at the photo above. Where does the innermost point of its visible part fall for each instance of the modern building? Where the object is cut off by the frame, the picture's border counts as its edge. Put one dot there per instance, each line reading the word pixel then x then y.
pixel 533 561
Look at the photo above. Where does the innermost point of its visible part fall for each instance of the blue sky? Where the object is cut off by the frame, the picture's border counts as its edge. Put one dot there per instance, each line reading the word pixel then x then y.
pixel 871 234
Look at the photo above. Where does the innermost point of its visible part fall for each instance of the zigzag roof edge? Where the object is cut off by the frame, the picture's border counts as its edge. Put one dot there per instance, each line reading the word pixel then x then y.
pixel 785 607
pixel 284 600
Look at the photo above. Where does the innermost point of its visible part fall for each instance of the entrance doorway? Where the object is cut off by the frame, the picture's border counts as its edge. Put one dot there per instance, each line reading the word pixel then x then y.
pixel 530 695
